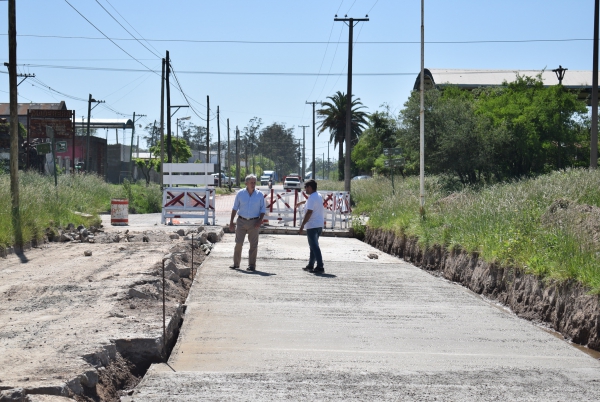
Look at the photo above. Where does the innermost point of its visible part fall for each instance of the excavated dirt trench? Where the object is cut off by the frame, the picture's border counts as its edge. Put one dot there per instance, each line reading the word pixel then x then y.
pixel 88 327
pixel 566 307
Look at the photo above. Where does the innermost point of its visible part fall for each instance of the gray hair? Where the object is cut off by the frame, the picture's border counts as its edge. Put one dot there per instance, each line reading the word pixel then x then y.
pixel 250 176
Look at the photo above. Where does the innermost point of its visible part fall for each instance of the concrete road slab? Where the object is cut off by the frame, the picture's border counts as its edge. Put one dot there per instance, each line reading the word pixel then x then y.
pixel 366 329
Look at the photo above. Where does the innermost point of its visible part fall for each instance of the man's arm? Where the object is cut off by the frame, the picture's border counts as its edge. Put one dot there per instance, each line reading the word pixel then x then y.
pixel 306 218
pixel 231 224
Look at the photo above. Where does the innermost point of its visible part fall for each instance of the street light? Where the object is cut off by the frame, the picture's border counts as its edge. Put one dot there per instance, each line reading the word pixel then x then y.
pixel 560 73
pixel 180 118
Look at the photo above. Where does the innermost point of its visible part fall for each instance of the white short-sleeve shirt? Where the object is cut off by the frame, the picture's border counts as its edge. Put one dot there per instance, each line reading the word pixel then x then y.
pixel 314 203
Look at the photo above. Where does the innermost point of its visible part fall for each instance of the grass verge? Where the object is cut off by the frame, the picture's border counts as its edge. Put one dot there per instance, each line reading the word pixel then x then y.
pixel 503 223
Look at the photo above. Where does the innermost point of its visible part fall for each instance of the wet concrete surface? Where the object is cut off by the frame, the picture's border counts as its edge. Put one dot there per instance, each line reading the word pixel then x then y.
pixel 377 329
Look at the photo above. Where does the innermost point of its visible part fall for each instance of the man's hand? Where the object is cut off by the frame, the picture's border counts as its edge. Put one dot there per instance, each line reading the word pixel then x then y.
pixel 301 230
pixel 231 227
pixel 258 223
pixel 300 203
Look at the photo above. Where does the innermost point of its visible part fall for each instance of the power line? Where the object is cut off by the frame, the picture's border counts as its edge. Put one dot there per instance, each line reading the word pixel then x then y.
pixel 132 27
pixel 108 12
pixel 207 72
pixel 307 42
pixel 66 1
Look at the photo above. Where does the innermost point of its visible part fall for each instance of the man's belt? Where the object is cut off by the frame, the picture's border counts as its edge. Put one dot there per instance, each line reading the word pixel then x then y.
pixel 247 219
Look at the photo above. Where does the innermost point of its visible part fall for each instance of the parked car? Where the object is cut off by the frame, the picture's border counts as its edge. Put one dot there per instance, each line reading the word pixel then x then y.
pixel 292 182
pixel 361 177
pixel 224 179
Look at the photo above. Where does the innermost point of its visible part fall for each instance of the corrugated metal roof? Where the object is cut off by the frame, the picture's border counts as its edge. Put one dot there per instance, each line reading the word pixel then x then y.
pixel 23 107
pixel 477 78
pixel 104 123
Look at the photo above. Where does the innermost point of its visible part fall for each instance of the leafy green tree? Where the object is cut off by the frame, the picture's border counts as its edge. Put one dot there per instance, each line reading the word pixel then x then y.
pixel 544 124
pixel 277 143
pixel 382 133
pixel 332 117
pixel 181 150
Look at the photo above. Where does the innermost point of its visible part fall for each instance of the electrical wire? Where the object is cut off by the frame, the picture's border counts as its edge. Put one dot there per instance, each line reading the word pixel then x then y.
pixel 132 27
pixel 117 21
pixel 311 42
pixel 209 72
pixel 66 1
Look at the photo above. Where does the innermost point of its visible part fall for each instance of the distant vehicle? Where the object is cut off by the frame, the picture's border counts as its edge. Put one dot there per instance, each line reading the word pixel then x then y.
pixel 292 182
pixel 308 176
pixel 224 179
pixel 361 177
pixel 264 179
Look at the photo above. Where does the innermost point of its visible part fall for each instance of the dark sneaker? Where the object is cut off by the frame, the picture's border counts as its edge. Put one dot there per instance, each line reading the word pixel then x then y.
pixel 308 268
pixel 234 267
pixel 318 270
pixel 250 268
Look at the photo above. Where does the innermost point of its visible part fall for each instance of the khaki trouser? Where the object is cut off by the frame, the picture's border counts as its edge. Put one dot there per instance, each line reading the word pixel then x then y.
pixel 242 228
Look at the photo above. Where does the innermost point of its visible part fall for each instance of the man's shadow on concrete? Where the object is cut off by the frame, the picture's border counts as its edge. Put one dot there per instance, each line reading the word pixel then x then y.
pixel 325 275
pixel 260 273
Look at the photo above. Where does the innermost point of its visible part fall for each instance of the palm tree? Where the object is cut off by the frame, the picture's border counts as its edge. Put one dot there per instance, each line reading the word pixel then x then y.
pixel 333 118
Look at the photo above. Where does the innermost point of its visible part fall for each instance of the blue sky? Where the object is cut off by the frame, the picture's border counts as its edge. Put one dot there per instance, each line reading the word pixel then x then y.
pixel 50 34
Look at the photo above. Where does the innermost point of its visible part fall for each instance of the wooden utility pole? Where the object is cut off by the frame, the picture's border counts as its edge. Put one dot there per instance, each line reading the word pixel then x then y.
pixel 314 166
pixel 303 151
pixel 162 122
pixel 218 147
pixel 237 155
pixel 422 117
pixel 594 132
pixel 169 145
pixel 228 155
pixel 14 124
pixel 347 165
pixel 207 129
pixel 131 148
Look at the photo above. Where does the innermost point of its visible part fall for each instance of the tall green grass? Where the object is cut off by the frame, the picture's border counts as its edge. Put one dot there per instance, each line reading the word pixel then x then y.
pixel 43 205
pixel 502 223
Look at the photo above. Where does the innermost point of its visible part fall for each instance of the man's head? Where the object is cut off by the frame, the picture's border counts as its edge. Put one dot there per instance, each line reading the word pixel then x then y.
pixel 310 184
pixel 251 181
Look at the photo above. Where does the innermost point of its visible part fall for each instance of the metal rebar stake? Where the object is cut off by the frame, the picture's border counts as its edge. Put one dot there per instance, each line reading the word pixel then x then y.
pixel 192 260
pixel 164 314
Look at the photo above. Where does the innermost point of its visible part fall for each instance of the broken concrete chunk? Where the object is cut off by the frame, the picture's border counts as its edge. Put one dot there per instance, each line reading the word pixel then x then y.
pixel 216 235
pixel 173 236
pixel 132 292
pixel 180 232
pixel 65 237
pixel 373 256
pixel 87 253
pixel 203 238
pixel 170 265
pixel 182 271
pixel 172 276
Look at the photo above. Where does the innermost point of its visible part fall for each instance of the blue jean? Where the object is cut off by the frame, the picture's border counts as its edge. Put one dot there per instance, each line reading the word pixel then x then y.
pixel 313 242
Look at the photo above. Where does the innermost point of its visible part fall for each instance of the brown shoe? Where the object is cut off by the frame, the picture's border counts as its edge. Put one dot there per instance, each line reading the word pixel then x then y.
pixel 251 268
pixel 234 267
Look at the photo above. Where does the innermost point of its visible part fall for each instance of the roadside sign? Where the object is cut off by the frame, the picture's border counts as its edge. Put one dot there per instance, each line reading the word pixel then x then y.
pixel 43 148
pixel 61 146
pixel 392 151
pixel 393 162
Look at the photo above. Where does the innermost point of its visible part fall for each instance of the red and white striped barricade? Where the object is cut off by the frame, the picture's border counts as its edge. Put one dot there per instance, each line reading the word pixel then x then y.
pixel 343 208
pixel 281 206
pixel 335 212
pixel 188 202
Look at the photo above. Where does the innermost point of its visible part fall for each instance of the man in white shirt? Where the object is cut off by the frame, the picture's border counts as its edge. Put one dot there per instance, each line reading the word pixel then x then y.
pixel 313 222
pixel 249 205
